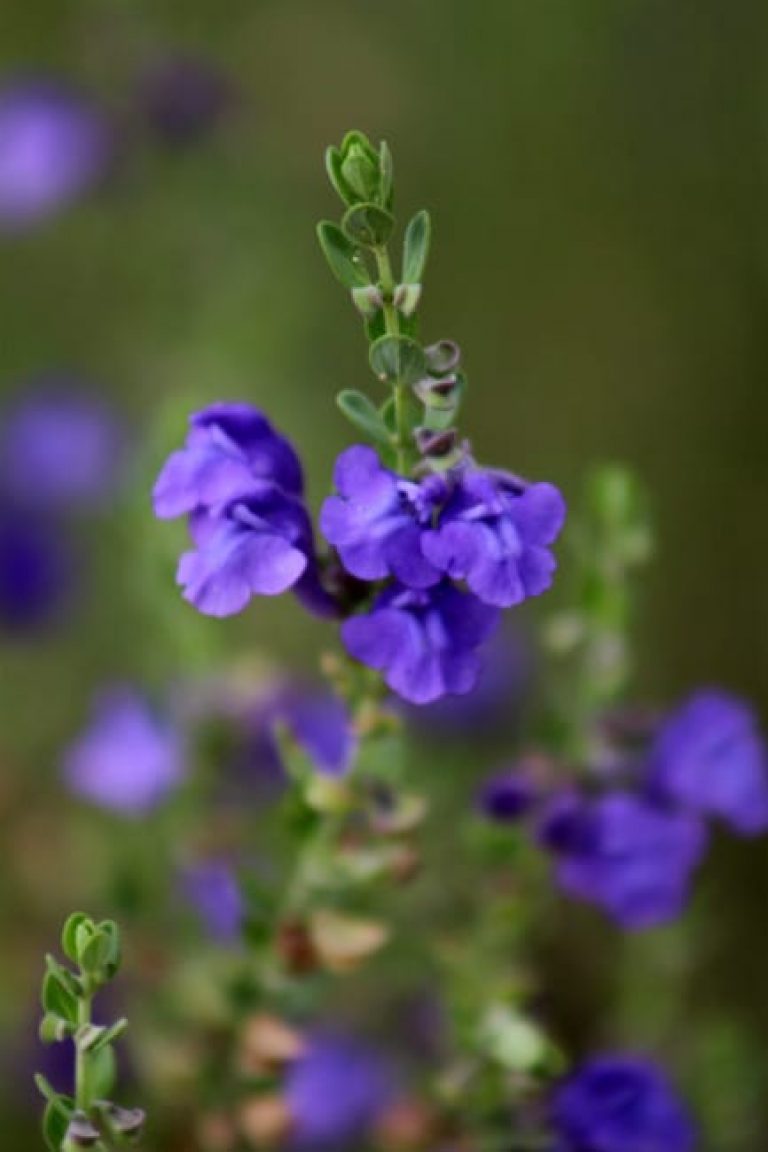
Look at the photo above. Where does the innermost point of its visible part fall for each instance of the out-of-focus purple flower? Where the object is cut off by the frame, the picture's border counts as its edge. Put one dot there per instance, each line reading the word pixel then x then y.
pixel 36 570
pixel 710 757
pixel 213 891
pixel 60 447
pixel 495 533
pixel 620 1103
pixel 127 759
pixel 230 447
pixel 507 796
pixel 494 704
pixel 320 723
pixel 183 98
pixel 54 147
pixel 255 546
pixel 624 854
pixel 423 642
pixel 336 1092
pixel 377 521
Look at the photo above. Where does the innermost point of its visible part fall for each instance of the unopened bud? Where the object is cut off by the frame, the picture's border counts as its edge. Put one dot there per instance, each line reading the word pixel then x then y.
pixel 81 1133
pixel 436 444
pixel 368 300
pixel 122 1123
pixel 440 394
pixel 443 357
pixel 406 298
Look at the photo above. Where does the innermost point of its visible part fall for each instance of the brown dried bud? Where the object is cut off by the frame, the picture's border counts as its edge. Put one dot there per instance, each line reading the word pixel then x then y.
pixel 406 1124
pixel 264 1120
pixel 296 947
pixel 266 1042
pixel 343 942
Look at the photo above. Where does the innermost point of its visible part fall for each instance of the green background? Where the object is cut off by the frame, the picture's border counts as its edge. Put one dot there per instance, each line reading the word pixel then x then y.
pixel 596 172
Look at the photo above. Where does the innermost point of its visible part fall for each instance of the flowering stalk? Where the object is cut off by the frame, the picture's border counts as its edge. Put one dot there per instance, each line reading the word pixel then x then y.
pixel 87 1118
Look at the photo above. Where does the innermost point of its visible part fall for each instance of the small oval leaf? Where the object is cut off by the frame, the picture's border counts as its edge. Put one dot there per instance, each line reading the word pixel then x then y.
pixel 367 224
pixel 365 416
pixel 343 258
pixel 398 360
pixel 416 247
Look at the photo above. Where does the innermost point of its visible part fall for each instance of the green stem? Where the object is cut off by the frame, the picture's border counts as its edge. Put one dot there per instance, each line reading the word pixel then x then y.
pixel 82 1058
pixel 392 328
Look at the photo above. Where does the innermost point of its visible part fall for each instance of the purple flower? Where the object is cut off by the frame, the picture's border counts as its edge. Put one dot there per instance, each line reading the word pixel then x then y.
pixel 36 570
pixel 507 796
pixel 183 97
pixel 495 533
pixel 320 724
pixel 127 759
pixel 619 1103
pixel 230 450
pixel 423 642
pixel 336 1091
pixel 377 521
pixel 54 147
pixel 213 891
pixel 624 854
pixel 255 546
pixel 709 757
pixel 59 447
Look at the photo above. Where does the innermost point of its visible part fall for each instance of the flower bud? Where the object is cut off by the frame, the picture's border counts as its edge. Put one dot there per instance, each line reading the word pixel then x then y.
pixel 443 357
pixel 360 168
pixel 81 1133
pixel 440 394
pixel 435 444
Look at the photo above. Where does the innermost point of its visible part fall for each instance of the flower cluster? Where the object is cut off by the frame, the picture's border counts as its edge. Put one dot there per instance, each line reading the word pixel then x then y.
pixel 442 554
pixel 426 546
pixel 632 848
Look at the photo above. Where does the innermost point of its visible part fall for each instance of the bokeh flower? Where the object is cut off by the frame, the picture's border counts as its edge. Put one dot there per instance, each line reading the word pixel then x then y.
pixel 212 889
pixel 495 534
pixel 424 643
pixel 620 1103
pixel 625 854
pixel 336 1091
pixel 507 796
pixel 128 759
pixel 710 757
pixel 183 97
pixel 54 146
pixel 36 570
pixel 60 446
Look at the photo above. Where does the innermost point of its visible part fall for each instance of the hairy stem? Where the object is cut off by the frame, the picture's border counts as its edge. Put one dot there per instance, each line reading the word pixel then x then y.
pixel 392 326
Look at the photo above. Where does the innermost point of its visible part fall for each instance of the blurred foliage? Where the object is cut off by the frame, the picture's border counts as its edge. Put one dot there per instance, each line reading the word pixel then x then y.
pixel 598 177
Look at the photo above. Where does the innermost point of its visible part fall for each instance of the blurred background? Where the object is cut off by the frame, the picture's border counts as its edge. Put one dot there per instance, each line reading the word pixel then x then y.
pixel 598 177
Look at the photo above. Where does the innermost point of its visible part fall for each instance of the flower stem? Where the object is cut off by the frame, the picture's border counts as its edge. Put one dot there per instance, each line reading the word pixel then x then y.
pixel 82 1058
pixel 392 327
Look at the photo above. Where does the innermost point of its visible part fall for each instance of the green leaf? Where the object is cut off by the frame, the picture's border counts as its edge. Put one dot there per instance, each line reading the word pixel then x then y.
pixel 100 1036
pixel 115 956
pixel 343 258
pixel 367 224
pixel 416 247
pixel 97 956
pixel 365 416
pixel 57 999
pixel 55 1125
pixel 102 1069
pixel 69 933
pixel 398 360
pixel 387 175
pixel 333 161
